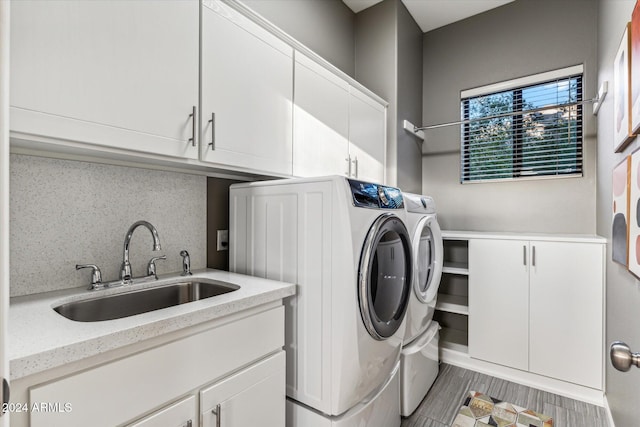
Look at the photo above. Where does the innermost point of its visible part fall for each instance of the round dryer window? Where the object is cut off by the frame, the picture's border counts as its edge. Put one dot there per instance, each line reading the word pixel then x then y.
pixel 427 250
pixel 385 276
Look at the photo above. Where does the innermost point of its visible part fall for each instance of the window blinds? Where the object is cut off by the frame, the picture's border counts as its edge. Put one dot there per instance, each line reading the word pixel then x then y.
pixel 526 131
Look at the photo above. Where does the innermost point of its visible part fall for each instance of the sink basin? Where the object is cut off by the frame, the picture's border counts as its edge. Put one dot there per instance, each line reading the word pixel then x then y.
pixel 142 301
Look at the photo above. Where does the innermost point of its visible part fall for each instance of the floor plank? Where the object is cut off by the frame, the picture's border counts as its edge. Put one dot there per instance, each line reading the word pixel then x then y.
pixel 440 406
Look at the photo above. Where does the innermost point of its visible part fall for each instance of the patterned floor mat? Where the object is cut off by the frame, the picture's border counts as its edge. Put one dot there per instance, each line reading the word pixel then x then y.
pixel 480 410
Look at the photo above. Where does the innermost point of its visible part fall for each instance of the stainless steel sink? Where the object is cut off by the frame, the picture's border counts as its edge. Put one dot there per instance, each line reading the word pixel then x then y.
pixel 142 301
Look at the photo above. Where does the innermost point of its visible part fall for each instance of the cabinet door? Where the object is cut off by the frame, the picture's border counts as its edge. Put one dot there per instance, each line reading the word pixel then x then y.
pixel 247 92
pixel 367 137
pixel 182 414
pixel 111 73
pixel 499 302
pixel 566 331
pixel 321 121
pixel 252 397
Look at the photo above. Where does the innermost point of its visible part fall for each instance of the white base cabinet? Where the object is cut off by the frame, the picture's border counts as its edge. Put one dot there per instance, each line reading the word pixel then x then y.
pixel 253 397
pixel 537 305
pixel 164 385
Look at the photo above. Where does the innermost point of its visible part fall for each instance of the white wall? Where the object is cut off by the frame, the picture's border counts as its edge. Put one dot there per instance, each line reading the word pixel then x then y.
pixel 65 213
pixel 518 39
pixel 623 291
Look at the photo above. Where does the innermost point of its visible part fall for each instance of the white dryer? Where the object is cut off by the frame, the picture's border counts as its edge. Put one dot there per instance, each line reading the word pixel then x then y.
pixel 345 244
pixel 419 358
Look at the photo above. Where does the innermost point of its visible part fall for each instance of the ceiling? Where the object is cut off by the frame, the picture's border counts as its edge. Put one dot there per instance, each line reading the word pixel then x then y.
pixel 432 14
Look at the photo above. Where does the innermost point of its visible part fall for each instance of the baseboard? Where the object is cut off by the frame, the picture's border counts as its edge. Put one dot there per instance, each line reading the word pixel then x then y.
pixel 608 412
pixel 573 391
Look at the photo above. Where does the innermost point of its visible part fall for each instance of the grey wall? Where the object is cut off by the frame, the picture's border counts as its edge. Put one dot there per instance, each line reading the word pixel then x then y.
pixel 376 48
pixel 623 291
pixel 217 219
pixel 409 100
pixel 389 62
pixel 324 26
pixel 498 45
pixel 65 213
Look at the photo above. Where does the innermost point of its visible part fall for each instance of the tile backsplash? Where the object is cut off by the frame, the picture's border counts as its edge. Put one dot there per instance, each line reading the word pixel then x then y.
pixel 66 212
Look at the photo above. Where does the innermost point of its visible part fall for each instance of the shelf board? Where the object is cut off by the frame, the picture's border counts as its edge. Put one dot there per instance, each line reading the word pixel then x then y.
pixel 456 268
pixel 453 304
pixel 454 339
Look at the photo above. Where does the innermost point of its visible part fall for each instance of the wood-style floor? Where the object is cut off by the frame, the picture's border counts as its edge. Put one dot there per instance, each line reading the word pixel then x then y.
pixel 447 394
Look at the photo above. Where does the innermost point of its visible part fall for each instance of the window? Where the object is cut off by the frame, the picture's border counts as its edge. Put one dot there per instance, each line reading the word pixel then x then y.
pixel 529 127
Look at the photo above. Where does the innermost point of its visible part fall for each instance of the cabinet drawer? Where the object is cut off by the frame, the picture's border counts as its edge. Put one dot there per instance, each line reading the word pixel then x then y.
pixel 120 391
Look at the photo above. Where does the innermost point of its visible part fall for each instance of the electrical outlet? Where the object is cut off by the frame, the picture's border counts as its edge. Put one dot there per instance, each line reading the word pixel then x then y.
pixel 223 240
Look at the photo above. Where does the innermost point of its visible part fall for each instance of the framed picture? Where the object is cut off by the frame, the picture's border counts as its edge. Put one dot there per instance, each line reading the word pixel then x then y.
pixel 633 214
pixel 620 222
pixel 621 96
pixel 635 69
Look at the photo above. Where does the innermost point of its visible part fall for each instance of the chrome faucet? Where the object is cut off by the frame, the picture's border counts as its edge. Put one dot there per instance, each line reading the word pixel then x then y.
pixel 186 263
pixel 125 270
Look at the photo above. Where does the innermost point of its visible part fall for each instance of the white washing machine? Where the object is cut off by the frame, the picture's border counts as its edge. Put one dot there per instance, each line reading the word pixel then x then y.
pixel 345 244
pixel 419 362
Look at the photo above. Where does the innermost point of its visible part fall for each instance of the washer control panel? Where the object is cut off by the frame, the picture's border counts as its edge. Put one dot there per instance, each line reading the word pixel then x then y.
pixel 375 196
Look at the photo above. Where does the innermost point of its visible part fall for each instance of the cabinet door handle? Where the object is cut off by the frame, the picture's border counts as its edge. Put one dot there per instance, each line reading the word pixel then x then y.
pixel 524 254
pixel 212 144
pixel 217 412
pixel 189 424
pixel 533 256
pixel 348 159
pixel 355 164
pixel 192 140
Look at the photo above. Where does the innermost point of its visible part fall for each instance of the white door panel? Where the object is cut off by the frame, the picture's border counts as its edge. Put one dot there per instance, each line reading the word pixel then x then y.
pixel 120 74
pixel 367 137
pixel 321 123
pixel 499 302
pixel 247 82
pixel 566 312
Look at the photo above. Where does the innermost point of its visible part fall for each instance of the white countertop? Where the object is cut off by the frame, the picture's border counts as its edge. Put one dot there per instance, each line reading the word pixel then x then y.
pixel 41 339
pixel 465 235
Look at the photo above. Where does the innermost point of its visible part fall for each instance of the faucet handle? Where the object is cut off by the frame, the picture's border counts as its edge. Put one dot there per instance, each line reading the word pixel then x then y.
pixel 96 275
pixel 186 263
pixel 151 267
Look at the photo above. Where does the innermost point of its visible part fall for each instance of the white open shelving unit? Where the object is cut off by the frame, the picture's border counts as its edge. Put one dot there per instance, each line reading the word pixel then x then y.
pixel 452 307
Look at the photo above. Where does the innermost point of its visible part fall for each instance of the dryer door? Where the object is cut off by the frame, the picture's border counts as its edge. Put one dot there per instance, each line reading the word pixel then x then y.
pixel 385 273
pixel 428 254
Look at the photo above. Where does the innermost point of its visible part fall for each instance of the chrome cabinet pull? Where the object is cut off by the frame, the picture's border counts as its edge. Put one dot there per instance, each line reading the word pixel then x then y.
pixel 192 140
pixel 218 413
pixel 524 254
pixel 348 159
pixel 355 168
pixel 212 144
pixel 533 256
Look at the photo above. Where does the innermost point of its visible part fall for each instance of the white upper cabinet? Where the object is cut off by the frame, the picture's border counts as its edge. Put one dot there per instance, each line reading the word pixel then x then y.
pixel 367 137
pixel 118 74
pixel 321 121
pixel 338 129
pixel 247 92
